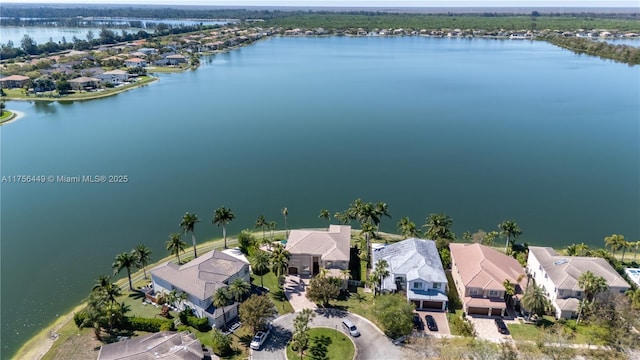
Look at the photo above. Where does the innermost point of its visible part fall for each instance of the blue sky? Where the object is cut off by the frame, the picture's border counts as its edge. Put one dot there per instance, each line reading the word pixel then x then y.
pixel 363 3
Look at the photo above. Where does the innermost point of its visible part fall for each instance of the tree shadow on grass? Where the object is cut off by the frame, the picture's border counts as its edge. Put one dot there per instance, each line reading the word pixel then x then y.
pixel 136 295
pixel 319 347
pixel 245 340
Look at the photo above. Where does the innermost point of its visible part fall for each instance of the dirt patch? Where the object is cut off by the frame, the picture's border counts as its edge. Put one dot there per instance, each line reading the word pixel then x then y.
pixel 81 346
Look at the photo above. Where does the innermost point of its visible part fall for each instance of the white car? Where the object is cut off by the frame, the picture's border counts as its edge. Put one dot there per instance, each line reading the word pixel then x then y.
pixel 260 338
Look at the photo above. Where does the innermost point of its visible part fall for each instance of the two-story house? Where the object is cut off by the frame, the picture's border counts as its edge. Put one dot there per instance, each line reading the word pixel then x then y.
pixel 314 249
pixel 415 269
pixel 479 273
pixel 200 279
pixel 559 275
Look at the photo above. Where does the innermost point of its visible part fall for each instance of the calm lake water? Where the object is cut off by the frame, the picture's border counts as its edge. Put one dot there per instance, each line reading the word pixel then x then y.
pixel 483 130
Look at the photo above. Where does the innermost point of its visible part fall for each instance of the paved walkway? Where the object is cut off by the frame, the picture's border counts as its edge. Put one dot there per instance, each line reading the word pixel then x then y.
pixel 295 289
pixel 372 344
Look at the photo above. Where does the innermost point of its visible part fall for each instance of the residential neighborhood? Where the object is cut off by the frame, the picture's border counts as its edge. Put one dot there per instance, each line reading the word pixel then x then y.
pixel 484 293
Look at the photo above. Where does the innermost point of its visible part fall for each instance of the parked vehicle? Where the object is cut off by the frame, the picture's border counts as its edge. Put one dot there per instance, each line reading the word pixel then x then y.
pixel 417 322
pixel 260 338
pixel 431 323
pixel 350 327
pixel 502 327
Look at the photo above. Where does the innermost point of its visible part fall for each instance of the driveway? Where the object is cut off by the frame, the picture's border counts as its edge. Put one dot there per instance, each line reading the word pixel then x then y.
pixel 441 320
pixel 487 330
pixel 295 288
pixel 372 344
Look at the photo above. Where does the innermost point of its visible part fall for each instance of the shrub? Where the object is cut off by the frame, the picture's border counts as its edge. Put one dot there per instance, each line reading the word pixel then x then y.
pixel 463 326
pixel 150 325
pixel 79 318
pixel 221 343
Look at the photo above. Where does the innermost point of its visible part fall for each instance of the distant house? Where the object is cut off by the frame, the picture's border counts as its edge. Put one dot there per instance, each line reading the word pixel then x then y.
pixel 13 82
pixel 314 249
pixel 558 276
pixel 176 59
pixel 479 273
pixel 84 83
pixel 168 345
pixel 148 51
pixel 200 279
pixel 135 62
pixel 114 76
pixel 415 269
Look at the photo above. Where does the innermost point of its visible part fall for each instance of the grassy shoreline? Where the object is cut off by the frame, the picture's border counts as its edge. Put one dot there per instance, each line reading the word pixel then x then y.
pixel 7 116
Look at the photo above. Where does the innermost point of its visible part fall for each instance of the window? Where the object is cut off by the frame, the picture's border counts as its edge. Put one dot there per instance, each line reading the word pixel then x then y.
pixel 473 291
pixel 560 292
pixel 417 285
pixel 329 264
pixel 578 293
pixel 437 285
pixel 493 293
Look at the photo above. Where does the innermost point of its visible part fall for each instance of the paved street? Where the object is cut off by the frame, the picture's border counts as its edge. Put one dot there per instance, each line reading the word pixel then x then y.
pixel 372 344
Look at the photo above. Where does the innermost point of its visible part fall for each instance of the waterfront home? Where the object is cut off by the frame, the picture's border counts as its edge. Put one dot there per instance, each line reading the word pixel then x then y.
pixel 415 270
pixel 114 76
pixel 148 51
pixel 13 82
pixel 558 276
pixel 199 279
pixel 314 249
pixel 135 62
pixel 84 83
pixel 176 59
pixel 168 345
pixel 479 273
pixel 634 275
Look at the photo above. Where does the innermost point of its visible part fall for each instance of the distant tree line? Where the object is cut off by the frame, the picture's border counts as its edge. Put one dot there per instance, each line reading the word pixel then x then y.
pixel 28 45
pixel 618 52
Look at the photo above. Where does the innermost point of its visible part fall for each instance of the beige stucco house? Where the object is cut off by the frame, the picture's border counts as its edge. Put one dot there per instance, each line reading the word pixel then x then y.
pixel 314 249
pixel 479 273
pixel 200 279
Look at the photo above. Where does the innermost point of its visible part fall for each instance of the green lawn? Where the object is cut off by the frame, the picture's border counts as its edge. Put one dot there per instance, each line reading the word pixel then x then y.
pixel 277 295
pixel 6 115
pixel 363 308
pixel 325 344
pixel 583 333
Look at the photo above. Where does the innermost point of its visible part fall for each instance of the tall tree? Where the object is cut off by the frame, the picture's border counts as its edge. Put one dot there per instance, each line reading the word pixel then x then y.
pixel 368 232
pixel 380 272
pixel 262 223
pixel 280 260
pixel 300 337
pixel 256 311
pixel 105 289
pixel 342 217
pixel 394 313
pixel 323 289
pixel 285 213
pixel 188 224
pixel 143 256
pixel 221 217
pixel 272 227
pixel 615 242
pixel 439 227
pixel 381 209
pixel 125 260
pixel 636 246
pixel 325 215
pixel 221 299
pixel 407 228
pixel 592 286
pixel 239 288
pixel 510 230
pixel 175 245
pixel 260 264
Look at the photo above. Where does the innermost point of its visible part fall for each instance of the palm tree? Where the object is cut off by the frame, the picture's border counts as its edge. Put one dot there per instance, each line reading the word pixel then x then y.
pixel 262 223
pixel 615 242
pixel 571 250
pixel 368 232
pixel 175 245
pixel 380 272
pixel 535 301
pixel 285 213
pixel 634 295
pixel 381 209
pixel 325 215
pixel 187 224
pixel 223 216
pixel 102 282
pixel 636 245
pixel 272 227
pixel 105 289
pixel 220 300
pixel 407 228
pixel 279 260
pixel 625 245
pixel 260 264
pixel 94 315
pixel 510 229
pixel 143 254
pixel 239 288
pixel 439 227
pixel 125 260
pixel 346 275
pixel 509 290
pixel 592 285
pixel 342 217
